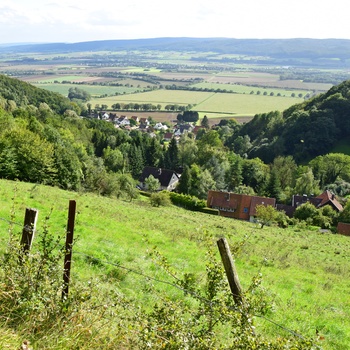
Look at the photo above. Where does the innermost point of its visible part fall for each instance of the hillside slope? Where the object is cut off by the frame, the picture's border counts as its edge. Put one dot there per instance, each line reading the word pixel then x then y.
pixel 304 130
pixel 24 94
pixel 118 261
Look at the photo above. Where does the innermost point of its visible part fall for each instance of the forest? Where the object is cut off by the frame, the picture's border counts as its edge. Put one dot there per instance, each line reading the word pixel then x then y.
pixel 49 139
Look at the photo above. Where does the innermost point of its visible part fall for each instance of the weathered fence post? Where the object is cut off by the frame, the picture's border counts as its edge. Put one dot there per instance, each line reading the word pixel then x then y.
pixel 68 249
pixel 30 220
pixel 230 270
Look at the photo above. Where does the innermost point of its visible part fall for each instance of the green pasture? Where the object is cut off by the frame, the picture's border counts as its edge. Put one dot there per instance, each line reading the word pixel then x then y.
pixel 244 89
pixel 304 272
pixel 60 78
pixel 93 90
pixel 206 102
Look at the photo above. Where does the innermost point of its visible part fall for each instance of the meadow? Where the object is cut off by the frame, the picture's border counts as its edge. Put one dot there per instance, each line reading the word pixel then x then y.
pixel 304 272
pixel 94 90
pixel 209 103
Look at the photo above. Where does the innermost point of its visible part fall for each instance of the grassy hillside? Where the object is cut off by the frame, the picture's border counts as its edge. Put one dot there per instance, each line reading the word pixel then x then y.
pixel 305 273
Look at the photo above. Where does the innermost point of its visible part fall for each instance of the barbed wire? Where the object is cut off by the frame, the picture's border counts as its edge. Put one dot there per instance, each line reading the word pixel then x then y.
pixel 191 292
pixel 184 290
pixel 10 222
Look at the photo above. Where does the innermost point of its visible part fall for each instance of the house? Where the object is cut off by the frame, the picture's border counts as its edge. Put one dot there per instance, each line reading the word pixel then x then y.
pixel 328 198
pixel 134 117
pixel 144 121
pixel 123 121
pixel 168 179
pixel 325 198
pixel 343 228
pixel 182 129
pixel 168 136
pixel 197 128
pixel 160 126
pixel 237 206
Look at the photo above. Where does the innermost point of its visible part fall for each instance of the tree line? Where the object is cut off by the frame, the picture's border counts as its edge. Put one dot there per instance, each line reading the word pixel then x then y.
pixel 275 155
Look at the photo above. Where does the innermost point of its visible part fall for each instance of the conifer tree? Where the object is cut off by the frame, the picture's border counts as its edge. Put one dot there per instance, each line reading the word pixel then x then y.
pixel 184 185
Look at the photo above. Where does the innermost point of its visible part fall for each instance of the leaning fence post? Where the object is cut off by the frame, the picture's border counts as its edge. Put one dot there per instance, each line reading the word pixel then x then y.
pixel 68 249
pixel 230 270
pixel 30 220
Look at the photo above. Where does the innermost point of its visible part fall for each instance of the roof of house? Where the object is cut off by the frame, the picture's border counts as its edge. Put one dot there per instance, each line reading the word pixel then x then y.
pixel 163 175
pixel 260 201
pixel 168 135
pixel 223 200
pixel 197 128
pixel 232 200
pixel 328 197
pixel 288 209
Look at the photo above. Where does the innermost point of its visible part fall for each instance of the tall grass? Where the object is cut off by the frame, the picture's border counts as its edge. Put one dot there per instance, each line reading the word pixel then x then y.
pixel 305 272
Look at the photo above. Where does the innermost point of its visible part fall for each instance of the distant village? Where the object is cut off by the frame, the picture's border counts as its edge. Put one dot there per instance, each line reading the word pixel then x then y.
pixel 144 124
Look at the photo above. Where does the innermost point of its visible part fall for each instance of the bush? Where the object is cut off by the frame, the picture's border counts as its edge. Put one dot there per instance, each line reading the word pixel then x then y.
pixel 160 199
pixel 186 201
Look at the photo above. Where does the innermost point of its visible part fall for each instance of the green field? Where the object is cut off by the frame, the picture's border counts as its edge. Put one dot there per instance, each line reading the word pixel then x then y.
pixel 305 272
pixel 93 90
pixel 207 102
pixel 245 89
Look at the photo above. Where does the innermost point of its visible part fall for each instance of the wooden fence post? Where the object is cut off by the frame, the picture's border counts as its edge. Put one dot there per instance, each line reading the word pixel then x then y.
pixel 230 270
pixel 68 249
pixel 28 232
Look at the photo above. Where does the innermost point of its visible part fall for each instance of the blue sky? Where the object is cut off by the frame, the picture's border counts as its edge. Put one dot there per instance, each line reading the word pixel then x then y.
pixel 85 20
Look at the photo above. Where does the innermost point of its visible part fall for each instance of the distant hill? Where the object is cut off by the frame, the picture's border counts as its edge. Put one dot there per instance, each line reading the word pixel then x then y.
pixel 275 48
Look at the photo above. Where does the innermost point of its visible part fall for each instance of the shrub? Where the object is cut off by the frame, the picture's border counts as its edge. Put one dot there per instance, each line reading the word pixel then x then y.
pixel 186 201
pixel 160 199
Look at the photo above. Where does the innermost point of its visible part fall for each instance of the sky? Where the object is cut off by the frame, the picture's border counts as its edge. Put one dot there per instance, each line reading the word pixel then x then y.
pixel 38 21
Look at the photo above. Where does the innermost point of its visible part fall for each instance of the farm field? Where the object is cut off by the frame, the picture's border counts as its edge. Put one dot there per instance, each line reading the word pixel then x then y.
pixel 247 89
pixel 255 88
pixel 93 90
pixel 207 102
pixel 305 273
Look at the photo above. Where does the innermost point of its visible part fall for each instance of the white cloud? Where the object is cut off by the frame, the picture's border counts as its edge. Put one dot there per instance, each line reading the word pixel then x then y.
pixel 73 20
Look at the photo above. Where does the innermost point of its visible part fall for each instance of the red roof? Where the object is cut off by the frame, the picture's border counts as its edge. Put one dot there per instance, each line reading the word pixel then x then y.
pixel 328 198
pixel 260 201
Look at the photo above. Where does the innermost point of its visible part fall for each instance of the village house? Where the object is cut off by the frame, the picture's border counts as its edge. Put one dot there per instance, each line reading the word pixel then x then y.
pixel 168 179
pixel 144 121
pixel 160 126
pixel 135 118
pixel 168 136
pixel 182 129
pixel 325 198
pixel 343 228
pixel 196 129
pixel 123 121
pixel 105 116
pixel 237 206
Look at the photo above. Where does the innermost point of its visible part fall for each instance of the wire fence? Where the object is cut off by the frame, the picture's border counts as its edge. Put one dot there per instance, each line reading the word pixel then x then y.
pixel 173 285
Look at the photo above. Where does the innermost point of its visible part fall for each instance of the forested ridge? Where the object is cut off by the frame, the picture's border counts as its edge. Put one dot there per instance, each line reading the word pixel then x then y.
pixel 303 131
pixel 43 139
pixel 276 48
